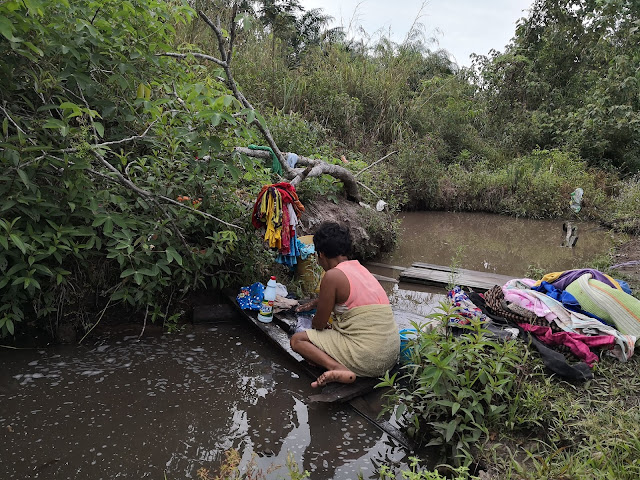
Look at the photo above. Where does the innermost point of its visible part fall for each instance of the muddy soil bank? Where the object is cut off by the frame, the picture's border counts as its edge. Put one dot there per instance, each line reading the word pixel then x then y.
pixel 373 232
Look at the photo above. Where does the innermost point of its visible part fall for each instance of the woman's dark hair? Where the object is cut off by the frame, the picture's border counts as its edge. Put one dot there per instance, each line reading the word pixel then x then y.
pixel 332 239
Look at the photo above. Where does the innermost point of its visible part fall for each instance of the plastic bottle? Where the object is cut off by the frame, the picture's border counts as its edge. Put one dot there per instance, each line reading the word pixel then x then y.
pixel 266 308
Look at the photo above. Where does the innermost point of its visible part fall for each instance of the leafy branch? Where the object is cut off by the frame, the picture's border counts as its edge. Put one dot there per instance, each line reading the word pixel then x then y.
pixel 314 167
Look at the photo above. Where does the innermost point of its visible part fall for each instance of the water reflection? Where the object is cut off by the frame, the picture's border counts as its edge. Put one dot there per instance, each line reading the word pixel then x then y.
pixel 124 408
pixel 494 243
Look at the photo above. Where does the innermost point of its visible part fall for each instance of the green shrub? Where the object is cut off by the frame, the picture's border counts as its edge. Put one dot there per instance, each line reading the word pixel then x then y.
pixel 292 133
pixel 455 388
pixel 100 139
pixel 623 212
pixel 418 166
pixel 537 185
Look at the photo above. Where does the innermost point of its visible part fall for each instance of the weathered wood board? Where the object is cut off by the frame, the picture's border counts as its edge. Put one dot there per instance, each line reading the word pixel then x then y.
pixel 440 275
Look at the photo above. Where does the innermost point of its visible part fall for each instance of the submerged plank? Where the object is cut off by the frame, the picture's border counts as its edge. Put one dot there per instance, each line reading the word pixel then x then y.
pixel 384 265
pixel 382 278
pixel 335 392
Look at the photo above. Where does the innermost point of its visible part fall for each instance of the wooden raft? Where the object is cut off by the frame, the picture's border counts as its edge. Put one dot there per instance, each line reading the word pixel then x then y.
pixel 429 274
pixel 279 332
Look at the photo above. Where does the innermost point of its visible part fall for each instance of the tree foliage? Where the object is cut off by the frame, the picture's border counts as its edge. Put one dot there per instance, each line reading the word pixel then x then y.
pixel 102 140
pixel 570 79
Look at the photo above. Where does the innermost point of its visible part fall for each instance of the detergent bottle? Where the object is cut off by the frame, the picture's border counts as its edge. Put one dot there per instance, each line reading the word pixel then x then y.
pixel 266 307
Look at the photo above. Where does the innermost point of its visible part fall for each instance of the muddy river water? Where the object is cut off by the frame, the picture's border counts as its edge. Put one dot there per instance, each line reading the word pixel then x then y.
pixel 166 405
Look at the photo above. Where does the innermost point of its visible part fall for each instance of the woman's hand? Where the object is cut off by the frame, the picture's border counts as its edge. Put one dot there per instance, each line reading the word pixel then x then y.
pixel 307 306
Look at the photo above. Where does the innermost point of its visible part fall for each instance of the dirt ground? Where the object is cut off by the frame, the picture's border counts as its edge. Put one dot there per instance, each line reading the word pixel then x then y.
pixel 372 231
pixel 629 252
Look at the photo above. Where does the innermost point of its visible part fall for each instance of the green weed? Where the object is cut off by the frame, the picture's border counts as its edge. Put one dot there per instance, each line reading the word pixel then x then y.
pixel 456 388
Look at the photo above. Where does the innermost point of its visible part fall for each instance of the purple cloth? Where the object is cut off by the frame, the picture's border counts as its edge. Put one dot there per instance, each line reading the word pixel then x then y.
pixel 570 275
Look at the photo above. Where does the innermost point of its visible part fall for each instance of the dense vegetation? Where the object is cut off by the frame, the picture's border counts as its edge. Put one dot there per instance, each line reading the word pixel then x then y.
pixel 119 186
pixel 101 137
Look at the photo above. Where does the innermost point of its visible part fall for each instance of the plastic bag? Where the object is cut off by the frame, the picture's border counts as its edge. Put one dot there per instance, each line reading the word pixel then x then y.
pixel 576 199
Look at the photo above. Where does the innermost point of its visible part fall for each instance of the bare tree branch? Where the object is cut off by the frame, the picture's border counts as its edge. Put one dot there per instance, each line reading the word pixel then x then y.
pixel 17 126
pixel 182 56
pixel 114 142
pixel 375 163
pixel 119 178
pixel 232 33
pixel 218 33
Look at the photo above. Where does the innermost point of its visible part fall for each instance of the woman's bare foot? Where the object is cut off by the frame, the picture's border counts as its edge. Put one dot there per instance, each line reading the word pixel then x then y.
pixel 340 376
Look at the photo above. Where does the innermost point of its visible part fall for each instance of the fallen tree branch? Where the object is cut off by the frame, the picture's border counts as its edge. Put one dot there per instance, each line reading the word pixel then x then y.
pixel 314 168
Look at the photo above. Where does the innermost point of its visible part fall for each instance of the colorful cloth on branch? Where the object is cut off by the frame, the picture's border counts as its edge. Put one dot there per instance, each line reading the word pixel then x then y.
pixel 277 209
pixel 275 163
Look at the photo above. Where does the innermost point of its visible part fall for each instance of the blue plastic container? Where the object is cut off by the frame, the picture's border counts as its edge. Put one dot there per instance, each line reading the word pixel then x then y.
pixel 405 336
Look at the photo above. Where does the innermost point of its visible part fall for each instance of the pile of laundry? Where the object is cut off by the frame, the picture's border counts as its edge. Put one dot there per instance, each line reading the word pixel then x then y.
pixel 572 314
pixel 277 209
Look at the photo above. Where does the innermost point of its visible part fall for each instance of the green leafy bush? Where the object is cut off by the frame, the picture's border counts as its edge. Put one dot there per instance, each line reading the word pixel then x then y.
pixel 537 185
pixel 101 141
pixel 623 212
pixel 455 389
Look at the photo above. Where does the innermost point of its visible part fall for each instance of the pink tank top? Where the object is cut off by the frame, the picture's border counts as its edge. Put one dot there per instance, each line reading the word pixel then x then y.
pixel 364 288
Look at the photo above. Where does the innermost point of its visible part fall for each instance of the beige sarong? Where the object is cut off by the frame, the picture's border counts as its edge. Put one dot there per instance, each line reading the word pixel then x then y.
pixel 364 339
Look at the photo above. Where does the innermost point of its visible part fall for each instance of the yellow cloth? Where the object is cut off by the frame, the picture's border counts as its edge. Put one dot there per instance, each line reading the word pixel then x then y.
pixel 271 207
pixel 552 277
pixel 364 339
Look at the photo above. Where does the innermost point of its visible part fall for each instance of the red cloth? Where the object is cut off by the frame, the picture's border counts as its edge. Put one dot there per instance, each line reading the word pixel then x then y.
pixel 577 343
pixel 286 231
pixel 255 219
pixel 289 195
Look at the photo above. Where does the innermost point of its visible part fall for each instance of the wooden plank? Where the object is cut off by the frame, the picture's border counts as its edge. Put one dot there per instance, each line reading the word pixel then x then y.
pixel 431 266
pixel 382 278
pixel 361 406
pixel 276 334
pixel 499 279
pixel 443 276
pixel 384 265
pixel 335 392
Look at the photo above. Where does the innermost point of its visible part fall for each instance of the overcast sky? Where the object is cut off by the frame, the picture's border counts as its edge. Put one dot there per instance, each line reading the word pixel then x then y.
pixel 462 27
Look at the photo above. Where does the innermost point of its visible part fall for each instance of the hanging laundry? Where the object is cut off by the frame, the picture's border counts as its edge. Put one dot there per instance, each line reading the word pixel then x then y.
pixel 277 208
pixel 275 163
